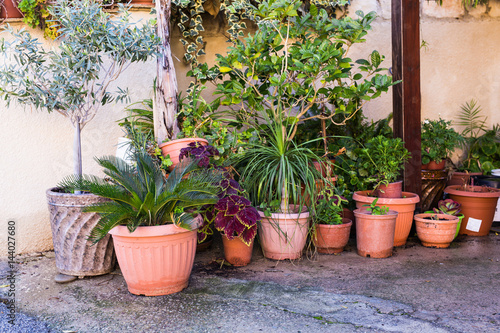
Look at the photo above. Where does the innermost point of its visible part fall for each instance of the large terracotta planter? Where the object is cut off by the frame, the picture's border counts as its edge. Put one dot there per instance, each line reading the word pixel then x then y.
pixel 10 9
pixel 436 233
pixel 330 239
pixel 405 206
pixel 432 165
pixel 283 236
pixel 75 254
pixel 155 260
pixel 478 206
pixel 375 233
pixel 173 148
pixel 236 252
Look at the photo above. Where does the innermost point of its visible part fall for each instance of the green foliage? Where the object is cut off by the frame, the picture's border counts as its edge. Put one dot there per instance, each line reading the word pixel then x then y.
pixel 384 158
pixel 297 65
pixel 73 78
pixel 36 15
pixel 141 196
pixel 376 210
pixel 481 145
pixel 439 140
pixel 329 207
pixel 278 170
pixel 188 16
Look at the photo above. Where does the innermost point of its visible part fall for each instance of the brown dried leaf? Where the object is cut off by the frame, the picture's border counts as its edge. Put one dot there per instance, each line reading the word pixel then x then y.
pixel 212 7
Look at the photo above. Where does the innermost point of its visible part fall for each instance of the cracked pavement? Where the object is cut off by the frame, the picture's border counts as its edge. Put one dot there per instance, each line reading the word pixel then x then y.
pixel 416 290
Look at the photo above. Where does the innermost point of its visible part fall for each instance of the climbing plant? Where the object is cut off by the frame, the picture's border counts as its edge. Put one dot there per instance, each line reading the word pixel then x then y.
pixel 187 15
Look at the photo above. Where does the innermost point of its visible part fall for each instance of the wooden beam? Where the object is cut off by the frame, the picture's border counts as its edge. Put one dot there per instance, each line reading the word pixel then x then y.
pixel 406 96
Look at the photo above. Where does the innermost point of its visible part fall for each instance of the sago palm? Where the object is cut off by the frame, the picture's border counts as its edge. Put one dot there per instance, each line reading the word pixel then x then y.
pixel 141 196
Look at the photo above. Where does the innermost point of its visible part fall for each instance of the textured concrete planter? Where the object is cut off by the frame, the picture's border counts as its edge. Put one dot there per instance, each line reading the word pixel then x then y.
pixel 71 227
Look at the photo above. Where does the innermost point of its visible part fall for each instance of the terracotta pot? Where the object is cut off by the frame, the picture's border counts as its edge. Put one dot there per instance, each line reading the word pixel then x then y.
pixel 283 236
pixel 325 167
pixel 436 233
pixel 75 253
pixel 478 206
pixel 460 218
pixel 391 190
pixel 375 233
pixel 461 178
pixel 329 239
pixel 173 148
pixel 236 252
pixel 155 260
pixel 10 10
pixel 432 165
pixel 405 206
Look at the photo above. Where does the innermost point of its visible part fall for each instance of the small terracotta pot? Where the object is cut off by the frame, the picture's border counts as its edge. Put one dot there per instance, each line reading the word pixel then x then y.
pixel 330 239
pixel 10 9
pixel 375 233
pixel 391 190
pixel 405 206
pixel 155 260
pixel 436 233
pixel 478 205
pixel 236 252
pixel 283 236
pixel 173 148
pixel 432 165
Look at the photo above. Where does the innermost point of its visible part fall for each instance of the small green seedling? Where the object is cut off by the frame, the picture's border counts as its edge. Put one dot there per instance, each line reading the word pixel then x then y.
pixel 376 210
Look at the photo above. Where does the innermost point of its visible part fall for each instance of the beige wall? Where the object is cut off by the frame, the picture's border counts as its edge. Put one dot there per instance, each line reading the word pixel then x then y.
pixel 461 62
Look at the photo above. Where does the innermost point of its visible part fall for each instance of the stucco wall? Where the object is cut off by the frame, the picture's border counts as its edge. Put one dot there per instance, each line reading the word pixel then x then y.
pixel 460 63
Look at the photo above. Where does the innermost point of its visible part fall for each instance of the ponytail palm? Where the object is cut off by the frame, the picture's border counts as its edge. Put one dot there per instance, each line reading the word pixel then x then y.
pixel 141 196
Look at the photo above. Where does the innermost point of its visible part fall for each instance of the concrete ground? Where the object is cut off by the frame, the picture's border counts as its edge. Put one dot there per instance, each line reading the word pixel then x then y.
pixel 418 289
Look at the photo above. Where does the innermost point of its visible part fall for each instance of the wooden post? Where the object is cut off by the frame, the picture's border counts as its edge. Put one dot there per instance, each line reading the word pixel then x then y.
pixel 406 96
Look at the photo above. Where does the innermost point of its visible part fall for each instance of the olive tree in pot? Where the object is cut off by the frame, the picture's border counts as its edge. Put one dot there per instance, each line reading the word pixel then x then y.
pixel 383 158
pixel 73 79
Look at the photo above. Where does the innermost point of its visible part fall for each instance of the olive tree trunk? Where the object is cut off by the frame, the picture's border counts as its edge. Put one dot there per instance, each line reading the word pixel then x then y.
pixel 165 102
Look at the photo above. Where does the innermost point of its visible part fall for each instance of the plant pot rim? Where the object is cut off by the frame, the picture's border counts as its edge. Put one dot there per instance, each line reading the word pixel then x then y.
pixel 476 191
pixel 292 216
pixel 56 192
pixel 148 231
pixel 345 222
pixel 424 217
pixel 364 211
pixel 363 196
pixel 182 140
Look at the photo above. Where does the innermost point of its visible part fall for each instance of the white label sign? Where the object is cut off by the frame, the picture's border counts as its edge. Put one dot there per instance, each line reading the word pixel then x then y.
pixel 473 224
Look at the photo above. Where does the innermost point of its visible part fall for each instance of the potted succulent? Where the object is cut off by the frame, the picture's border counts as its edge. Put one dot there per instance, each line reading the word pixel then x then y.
pixel 450 207
pixel 73 79
pixel 436 230
pixel 439 140
pixel 383 158
pixel 375 227
pixel 330 230
pixel 150 218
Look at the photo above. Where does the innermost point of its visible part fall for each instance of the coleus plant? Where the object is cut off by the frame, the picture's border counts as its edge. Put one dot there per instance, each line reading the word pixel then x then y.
pixel 448 206
pixel 233 214
pixel 236 217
